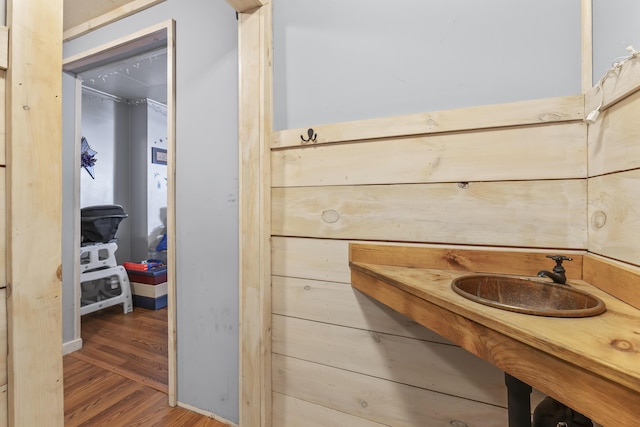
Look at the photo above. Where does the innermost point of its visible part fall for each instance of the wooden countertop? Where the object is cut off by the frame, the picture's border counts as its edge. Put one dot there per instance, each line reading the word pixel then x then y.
pixel 591 364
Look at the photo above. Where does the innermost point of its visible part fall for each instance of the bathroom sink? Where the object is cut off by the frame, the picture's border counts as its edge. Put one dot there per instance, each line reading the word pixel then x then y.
pixel 528 296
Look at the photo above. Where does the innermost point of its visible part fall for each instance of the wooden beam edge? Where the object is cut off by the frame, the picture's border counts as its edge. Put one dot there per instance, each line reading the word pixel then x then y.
pixel 616 278
pixel 586 27
pixel 107 18
pixel 254 51
pixel 4 47
pixel 245 6
pixel 472 259
pixel 533 112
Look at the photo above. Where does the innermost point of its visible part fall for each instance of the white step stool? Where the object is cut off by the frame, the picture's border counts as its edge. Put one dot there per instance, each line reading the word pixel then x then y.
pixel 98 263
pixel 110 279
pixel 98 255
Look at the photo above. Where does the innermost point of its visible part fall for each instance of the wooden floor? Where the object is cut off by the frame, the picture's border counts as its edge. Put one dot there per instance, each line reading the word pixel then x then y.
pixel 119 378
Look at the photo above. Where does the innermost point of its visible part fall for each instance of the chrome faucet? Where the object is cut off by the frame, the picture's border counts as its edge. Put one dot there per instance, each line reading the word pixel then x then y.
pixel 558 275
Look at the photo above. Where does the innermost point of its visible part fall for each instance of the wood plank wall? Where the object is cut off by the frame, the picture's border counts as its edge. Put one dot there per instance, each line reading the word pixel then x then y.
pixel 504 176
pixel 614 185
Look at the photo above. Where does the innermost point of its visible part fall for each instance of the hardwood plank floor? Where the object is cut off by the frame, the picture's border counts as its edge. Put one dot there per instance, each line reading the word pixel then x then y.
pixel 119 377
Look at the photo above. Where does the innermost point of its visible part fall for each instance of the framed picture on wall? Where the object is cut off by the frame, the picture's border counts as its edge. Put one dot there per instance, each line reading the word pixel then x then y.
pixel 159 156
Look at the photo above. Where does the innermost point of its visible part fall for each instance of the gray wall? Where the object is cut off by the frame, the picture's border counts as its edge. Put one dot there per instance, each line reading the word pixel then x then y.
pixel 156 189
pixel 337 60
pixel 615 26
pixel 148 184
pixel 334 61
pixel 206 193
pixel 69 202
pixel 138 207
pixel 106 126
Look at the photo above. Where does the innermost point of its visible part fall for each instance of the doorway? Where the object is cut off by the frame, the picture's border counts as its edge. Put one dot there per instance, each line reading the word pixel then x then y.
pixel 125 72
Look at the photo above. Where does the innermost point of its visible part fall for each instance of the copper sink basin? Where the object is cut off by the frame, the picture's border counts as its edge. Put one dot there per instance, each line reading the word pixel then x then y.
pixel 528 296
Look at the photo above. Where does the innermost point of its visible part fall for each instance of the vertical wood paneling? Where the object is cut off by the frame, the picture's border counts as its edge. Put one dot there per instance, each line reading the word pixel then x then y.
pixel 3 340
pixel 4 50
pixel 4 417
pixel 3 117
pixel 34 120
pixel 4 59
pixel 254 50
pixel 3 226
pixel 586 57
pixel 171 215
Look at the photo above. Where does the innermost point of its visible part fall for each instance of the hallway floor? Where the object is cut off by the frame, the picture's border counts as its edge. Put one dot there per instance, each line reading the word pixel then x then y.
pixel 119 377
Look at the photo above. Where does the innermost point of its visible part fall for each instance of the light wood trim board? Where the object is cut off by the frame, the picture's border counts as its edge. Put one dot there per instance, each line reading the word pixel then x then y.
pixel 4 47
pixel 539 111
pixel 244 6
pixel 34 141
pixel 113 15
pixel 477 213
pixel 552 151
pixel 254 48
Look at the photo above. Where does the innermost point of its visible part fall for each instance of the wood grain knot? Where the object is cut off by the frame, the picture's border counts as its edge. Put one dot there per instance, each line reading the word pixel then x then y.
pixel 454 260
pixel 598 219
pixel 59 272
pixel 623 345
pixel 549 117
pixel 330 216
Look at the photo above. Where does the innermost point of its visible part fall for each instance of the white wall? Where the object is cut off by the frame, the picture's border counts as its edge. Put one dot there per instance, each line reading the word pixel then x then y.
pixel 206 193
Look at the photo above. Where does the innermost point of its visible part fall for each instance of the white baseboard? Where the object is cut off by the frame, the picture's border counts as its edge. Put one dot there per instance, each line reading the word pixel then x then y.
pixel 206 413
pixel 71 346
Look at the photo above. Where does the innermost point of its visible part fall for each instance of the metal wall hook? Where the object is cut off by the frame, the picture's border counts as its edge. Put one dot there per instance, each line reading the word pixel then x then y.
pixel 312 137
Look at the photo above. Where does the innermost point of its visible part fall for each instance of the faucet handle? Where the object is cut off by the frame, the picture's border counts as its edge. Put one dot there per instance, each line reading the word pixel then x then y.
pixel 558 259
